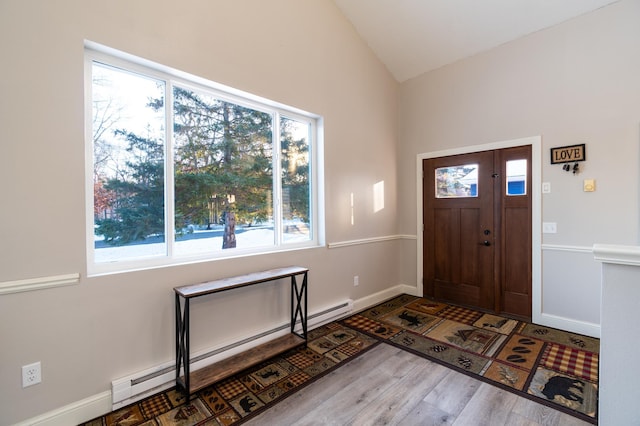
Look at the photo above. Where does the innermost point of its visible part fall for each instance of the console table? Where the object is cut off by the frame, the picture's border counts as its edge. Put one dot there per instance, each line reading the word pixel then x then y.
pixel 190 382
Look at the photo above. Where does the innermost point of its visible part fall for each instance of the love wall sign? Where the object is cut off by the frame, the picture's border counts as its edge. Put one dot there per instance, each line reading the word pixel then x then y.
pixel 568 154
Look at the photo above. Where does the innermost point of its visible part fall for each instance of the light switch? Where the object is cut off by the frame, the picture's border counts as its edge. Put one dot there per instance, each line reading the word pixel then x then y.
pixel 589 185
pixel 546 187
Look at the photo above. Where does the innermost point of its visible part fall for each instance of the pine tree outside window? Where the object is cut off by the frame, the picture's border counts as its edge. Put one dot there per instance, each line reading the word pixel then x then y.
pixel 183 170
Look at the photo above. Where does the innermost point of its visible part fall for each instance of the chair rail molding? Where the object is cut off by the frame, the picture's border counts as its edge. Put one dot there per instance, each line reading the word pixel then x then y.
pixel 371 240
pixel 622 255
pixel 41 283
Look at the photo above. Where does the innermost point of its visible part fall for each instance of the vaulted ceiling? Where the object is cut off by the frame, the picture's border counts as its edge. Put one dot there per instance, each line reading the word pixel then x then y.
pixel 412 37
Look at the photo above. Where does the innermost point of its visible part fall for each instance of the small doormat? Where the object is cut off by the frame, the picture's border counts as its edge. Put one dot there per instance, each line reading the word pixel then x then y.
pixel 235 400
pixel 549 366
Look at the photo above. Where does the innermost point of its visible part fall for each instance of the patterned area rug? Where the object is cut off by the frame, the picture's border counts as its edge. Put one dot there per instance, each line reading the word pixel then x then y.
pixel 235 400
pixel 549 366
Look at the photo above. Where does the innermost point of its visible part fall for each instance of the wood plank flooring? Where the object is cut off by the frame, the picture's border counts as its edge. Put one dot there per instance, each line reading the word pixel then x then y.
pixel 389 386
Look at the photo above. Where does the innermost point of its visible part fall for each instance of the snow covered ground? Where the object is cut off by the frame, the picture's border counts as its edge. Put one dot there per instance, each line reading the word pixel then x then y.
pixel 250 238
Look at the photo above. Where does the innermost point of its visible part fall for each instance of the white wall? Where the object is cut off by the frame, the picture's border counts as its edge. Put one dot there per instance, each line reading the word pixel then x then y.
pixel 578 82
pixel 618 396
pixel 304 54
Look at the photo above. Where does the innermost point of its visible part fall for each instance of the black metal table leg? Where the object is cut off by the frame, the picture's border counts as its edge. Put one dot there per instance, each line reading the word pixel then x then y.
pixel 299 306
pixel 182 343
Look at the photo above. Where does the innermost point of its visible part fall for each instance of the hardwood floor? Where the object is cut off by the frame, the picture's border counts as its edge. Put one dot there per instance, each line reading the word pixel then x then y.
pixel 389 386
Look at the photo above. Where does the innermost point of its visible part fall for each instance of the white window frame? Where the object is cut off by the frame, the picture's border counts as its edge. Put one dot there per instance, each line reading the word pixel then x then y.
pixel 112 57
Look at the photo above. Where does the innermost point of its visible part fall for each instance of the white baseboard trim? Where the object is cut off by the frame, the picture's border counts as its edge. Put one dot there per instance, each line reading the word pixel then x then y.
pixel 580 327
pixel 74 413
pixel 381 296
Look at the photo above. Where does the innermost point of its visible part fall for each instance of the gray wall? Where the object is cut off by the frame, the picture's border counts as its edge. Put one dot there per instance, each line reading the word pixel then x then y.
pixel 575 83
pixel 304 54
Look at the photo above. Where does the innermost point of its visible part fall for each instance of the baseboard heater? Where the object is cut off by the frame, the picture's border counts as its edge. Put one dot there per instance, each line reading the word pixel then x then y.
pixel 137 386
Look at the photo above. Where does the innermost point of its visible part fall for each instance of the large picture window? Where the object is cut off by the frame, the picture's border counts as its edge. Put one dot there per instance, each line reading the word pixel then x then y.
pixel 182 169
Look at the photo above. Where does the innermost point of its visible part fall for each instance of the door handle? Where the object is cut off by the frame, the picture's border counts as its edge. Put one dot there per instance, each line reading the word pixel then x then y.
pixel 486 243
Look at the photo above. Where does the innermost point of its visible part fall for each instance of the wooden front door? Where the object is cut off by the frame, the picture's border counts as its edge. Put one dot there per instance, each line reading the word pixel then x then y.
pixel 477 230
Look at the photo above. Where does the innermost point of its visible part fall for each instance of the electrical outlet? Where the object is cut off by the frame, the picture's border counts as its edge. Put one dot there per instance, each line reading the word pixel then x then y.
pixel 356 281
pixel 31 374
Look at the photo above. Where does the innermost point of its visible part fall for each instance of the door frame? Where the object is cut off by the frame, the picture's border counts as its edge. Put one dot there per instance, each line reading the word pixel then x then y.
pixel 536 210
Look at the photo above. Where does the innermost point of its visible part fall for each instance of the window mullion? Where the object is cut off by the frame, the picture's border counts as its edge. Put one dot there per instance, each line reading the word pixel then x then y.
pixel 169 179
pixel 277 182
